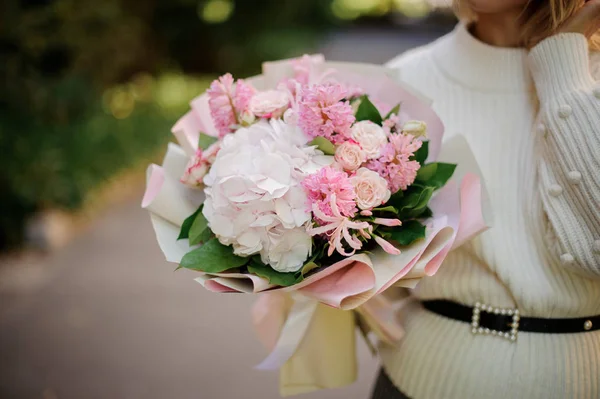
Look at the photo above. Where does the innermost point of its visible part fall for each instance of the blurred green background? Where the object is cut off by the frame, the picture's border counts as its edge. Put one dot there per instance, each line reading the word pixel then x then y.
pixel 89 89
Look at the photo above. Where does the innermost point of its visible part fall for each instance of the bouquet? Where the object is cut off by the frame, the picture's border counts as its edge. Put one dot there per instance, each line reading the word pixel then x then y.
pixel 316 184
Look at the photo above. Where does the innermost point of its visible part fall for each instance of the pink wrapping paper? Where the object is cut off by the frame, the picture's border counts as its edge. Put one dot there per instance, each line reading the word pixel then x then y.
pixel 283 315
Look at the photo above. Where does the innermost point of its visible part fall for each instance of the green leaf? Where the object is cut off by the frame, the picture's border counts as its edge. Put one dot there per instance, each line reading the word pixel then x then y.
pixel 324 145
pixel 415 201
pixel 427 172
pixel 409 232
pixel 421 205
pixel 187 224
pixel 396 199
pixel 212 257
pixel 384 233
pixel 197 230
pixel 368 112
pixel 206 235
pixel 427 213
pixel 272 275
pixel 205 141
pixel 443 173
pixel 393 111
pixel 389 209
pixel 422 153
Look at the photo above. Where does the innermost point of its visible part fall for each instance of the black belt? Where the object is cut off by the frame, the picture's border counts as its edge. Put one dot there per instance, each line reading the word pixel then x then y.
pixel 507 323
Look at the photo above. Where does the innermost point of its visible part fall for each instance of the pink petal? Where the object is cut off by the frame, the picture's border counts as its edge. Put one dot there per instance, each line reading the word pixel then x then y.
pixel 334 208
pixel 358 225
pixel 331 249
pixel 352 241
pixel 321 215
pixel 366 213
pixel 313 231
pixel 364 234
pixel 388 222
pixel 387 247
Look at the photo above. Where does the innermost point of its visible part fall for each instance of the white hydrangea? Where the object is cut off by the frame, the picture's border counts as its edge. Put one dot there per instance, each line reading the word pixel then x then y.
pixel 254 200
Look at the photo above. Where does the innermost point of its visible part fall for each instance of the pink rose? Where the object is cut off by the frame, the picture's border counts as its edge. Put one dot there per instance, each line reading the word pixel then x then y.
pixel 370 136
pixel 269 104
pixel 371 189
pixel 350 156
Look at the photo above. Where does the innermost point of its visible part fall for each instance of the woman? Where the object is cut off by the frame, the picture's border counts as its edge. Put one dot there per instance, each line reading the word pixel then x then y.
pixel 514 78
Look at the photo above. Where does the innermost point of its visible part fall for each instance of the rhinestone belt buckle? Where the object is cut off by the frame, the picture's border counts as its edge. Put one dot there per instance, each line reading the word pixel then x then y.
pixel 482 307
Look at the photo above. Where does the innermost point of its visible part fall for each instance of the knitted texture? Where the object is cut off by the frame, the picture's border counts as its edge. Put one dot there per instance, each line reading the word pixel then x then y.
pixel 542 170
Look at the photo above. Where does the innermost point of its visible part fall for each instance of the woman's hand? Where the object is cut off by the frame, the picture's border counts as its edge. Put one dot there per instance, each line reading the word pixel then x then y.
pixel 585 21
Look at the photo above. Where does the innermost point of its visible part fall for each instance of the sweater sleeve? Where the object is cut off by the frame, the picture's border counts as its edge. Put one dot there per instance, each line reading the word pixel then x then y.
pixel 569 149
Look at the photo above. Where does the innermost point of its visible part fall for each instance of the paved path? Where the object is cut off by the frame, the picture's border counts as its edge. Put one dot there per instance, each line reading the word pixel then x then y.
pixel 107 318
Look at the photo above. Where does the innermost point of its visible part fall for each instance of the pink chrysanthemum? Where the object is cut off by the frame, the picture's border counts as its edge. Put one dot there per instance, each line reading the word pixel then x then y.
pixel 394 164
pixel 330 183
pixel 227 101
pixel 323 113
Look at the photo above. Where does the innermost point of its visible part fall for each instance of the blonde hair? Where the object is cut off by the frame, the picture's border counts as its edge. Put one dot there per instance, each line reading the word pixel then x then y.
pixel 540 18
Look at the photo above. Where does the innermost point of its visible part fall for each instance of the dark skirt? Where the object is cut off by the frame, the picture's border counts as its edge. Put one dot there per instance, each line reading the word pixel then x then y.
pixel 385 388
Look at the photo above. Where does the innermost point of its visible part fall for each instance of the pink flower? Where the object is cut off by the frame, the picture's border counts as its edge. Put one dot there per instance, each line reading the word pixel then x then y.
pixel 304 74
pixel 350 156
pixel 195 170
pixel 390 125
pixel 394 164
pixel 370 136
pixel 243 94
pixel 337 227
pixel 199 164
pixel 323 113
pixel 270 104
pixel 330 183
pixel 220 102
pixel 210 154
pixel 387 222
pixel 304 69
pixel 227 102
pixel 387 247
pixel 371 189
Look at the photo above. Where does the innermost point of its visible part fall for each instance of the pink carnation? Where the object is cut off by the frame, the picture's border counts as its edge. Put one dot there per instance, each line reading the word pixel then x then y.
pixel 323 113
pixel 228 101
pixel 199 165
pixel 195 170
pixel 330 183
pixel 394 164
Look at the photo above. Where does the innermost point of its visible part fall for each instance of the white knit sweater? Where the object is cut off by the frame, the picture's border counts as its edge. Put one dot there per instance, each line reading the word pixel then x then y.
pixel 542 255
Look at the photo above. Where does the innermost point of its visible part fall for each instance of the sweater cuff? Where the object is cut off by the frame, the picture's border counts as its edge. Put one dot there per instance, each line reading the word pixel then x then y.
pixel 561 64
